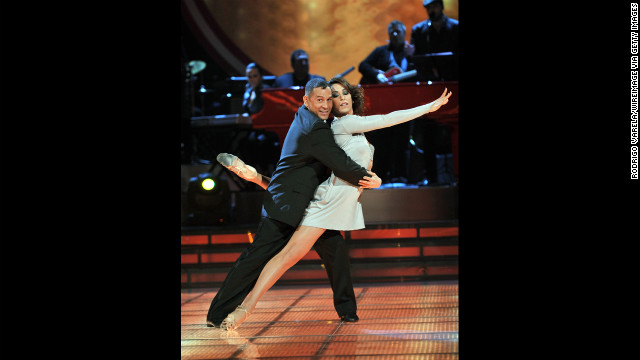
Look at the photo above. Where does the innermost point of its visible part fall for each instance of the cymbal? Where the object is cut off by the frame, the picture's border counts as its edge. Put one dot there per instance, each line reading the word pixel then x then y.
pixel 197 66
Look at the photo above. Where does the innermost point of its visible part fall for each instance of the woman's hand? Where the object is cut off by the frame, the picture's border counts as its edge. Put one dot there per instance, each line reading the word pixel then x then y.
pixel 443 99
pixel 370 182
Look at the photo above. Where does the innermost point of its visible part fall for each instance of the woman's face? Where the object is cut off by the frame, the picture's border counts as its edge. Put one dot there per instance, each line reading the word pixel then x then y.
pixel 342 104
pixel 253 77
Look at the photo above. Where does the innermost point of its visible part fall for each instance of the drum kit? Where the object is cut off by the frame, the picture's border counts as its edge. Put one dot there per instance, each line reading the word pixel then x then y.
pixel 193 68
pixel 196 66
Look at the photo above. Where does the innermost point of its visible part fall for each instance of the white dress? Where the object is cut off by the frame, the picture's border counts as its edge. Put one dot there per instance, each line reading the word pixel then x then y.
pixel 335 204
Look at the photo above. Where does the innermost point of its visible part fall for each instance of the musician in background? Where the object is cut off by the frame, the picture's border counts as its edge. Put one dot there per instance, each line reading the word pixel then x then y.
pixel 433 38
pixel 393 142
pixel 437 34
pixel 252 100
pixel 300 75
pixel 384 58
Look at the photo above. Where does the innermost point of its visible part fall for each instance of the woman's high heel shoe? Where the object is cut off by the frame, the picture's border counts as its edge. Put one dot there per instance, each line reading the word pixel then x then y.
pixel 237 166
pixel 232 321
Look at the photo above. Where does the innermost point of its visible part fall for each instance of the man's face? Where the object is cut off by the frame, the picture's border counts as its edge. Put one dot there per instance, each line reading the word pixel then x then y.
pixel 319 102
pixel 396 36
pixel 434 10
pixel 301 64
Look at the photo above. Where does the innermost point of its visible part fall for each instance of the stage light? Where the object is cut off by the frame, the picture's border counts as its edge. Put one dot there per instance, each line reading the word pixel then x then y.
pixel 208 184
pixel 209 200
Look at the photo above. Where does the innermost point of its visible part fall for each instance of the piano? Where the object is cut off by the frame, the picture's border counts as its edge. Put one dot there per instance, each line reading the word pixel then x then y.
pixel 281 104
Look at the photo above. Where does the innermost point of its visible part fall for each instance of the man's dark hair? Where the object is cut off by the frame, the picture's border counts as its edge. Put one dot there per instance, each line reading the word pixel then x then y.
pixel 315 83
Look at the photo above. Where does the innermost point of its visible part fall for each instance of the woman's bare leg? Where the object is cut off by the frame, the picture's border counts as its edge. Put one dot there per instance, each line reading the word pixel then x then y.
pixel 243 170
pixel 298 246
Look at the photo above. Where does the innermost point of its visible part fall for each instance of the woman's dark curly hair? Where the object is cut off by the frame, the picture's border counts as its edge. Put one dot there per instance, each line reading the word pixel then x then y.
pixel 357 94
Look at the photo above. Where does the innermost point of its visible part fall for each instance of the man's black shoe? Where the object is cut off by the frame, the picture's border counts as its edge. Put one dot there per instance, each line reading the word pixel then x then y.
pixel 211 324
pixel 349 318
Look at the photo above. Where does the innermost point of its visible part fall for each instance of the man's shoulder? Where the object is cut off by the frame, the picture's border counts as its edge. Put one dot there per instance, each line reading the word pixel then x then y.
pixel 422 25
pixel 283 80
pixel 451 22
pixel 285 75
pixel 373 55
pixel 382 48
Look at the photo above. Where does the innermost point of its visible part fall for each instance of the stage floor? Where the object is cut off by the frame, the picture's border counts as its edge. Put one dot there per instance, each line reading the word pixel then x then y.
pixel 415 320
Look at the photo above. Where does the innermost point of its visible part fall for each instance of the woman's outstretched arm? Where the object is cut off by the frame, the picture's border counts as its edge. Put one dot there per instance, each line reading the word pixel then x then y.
pixel 359 124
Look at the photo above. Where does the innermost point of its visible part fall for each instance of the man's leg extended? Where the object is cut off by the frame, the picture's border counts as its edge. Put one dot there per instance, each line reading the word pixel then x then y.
pixel 270 238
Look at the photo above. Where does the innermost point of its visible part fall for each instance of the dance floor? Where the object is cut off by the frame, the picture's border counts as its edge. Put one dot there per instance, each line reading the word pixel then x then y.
pixel 409 320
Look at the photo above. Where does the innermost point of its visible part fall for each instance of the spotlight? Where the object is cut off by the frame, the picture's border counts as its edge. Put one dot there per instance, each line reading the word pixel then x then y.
pixel 208 184
pixel 209 200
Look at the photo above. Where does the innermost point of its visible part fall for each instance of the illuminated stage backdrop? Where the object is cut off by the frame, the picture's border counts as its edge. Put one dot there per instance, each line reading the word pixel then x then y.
pixel 337 34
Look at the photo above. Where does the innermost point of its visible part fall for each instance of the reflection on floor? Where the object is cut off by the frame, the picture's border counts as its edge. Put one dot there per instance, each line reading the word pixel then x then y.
pixel 410 320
